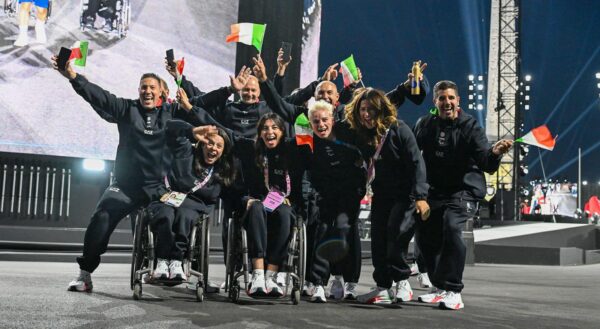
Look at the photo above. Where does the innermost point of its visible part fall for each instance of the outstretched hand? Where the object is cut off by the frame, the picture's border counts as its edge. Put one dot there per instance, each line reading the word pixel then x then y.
pixel 240 80
pixel 259 69
pixel 67 71
pixel 201 133
pixel 331 73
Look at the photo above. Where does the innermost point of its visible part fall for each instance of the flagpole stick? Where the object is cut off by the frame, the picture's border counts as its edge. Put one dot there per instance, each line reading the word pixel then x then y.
pixel 362 84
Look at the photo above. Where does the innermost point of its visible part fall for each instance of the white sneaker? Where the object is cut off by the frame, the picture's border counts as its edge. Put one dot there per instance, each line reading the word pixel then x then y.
pixel 318 295
pixel 423 279
pixel 434 296
pixel 273 289
pixel 336 288
pixel 82 283
pixel 176 270
pixel 281 276
pixel 161 272
pixel 378 295
pixel 22 40
pixel 257 284
pixel 404 292
pixel 350 288
pixel 414 269
pixel 452 301
pixel 308 288
pixel 40 32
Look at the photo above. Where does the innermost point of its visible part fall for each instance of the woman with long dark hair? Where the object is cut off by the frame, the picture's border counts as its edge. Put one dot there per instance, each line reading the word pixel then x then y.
pixel 273 186
pixel 396 173
pixel 199 174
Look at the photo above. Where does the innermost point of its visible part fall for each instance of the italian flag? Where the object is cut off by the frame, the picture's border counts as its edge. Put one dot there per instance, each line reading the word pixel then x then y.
pixel 304 135
pixel 349 71
pixel 79 52
pixel 179 66
pixel 539 137
pixel 248 33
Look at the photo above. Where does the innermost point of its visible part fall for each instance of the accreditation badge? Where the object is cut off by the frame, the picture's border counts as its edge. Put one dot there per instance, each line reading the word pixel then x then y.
pixel 174 199
pixel 273 200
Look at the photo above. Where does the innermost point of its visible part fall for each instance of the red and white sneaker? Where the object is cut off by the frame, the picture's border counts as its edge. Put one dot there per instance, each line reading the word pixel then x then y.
pixel 376 296
pixel 434 296
pixel 83 282
pixel 452 301
pixel 404 292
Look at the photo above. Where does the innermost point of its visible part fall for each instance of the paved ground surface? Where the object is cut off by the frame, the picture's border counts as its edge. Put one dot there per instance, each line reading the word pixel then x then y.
pixel 33 295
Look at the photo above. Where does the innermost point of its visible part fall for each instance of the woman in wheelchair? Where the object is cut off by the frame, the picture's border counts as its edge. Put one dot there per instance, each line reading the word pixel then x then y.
pixel 272 181
pixel 198 176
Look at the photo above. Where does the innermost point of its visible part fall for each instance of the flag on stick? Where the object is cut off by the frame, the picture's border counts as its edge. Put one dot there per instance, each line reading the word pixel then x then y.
pixel 248 33
pixel 179 68
pixel 539 137
pixel 349 71
pixel 304 135
pixel 79 52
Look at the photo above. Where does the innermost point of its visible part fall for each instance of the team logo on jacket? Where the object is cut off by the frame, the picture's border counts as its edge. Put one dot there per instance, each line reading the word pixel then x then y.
pixel 148 132
pixel 245 121
pixel 442 139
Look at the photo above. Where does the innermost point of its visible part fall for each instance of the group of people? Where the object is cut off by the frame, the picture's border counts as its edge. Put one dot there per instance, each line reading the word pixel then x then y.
pixel 177 157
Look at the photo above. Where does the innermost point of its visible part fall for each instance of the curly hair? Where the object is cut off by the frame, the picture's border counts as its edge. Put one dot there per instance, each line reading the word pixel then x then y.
pixel 385 113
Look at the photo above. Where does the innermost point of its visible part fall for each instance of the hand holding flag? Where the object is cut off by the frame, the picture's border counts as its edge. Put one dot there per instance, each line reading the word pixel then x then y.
pixel 350 72
pixel 502 146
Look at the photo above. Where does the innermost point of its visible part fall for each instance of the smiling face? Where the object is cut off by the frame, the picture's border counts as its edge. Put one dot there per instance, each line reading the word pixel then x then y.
pixel 327 91
pixel 271 134
pixel 213 150
pixel 447 101
pixel 150 92
pixel 321 122
pixel 367 114
pixel 251 92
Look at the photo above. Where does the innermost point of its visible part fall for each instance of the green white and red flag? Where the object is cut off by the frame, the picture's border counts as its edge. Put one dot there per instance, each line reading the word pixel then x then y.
pixel 304 134
pixel 349 71
pixel 248 33
pixel 179 68
pixel 540 137
pixel 79 52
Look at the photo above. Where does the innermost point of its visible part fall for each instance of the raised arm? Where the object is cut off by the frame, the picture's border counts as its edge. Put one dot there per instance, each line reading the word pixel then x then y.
pixel 107 105
pixel 402 91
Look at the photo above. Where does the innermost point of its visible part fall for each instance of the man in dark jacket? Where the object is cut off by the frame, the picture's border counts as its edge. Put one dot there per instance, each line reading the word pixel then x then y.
pixel 456 152
pixel 141 163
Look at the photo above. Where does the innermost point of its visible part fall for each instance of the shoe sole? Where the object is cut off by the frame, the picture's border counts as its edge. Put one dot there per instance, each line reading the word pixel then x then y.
pixel 433 301
pixel 443 306
pixel 77 290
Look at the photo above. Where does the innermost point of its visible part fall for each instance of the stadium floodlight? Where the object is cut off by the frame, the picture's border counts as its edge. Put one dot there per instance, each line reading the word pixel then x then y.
pixel 94 164
pixel 598 75
pixel 528 77
pixel 471 77
pixel 584 183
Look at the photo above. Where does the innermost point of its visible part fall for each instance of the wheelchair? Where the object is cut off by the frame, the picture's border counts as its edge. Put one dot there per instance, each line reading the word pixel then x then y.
pixel 237 264
pixel 120 25
pixel 11 9
pixel 195 262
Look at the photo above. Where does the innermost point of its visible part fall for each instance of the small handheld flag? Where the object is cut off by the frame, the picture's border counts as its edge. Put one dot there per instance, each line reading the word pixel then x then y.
pixel 540 137
pixel 79 52
pixel 179 68
pixel 349 71
pixel 304 135
pixel 248 33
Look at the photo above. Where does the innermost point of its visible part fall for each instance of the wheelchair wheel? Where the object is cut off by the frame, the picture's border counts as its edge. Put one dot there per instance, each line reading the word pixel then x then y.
pixel 137 256
pixel 199 293
pixel 301 256
pixel 234 292
pixel 295 296
pixel 205 248
pixel 137 291
pixel 123 19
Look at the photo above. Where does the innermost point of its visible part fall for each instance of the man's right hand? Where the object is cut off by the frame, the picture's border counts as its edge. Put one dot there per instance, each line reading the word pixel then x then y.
pixel 240 80
pixel 68 71
pixel 171 68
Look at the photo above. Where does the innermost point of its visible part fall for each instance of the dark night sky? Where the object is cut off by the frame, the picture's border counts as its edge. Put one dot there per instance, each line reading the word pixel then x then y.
pixel 560 48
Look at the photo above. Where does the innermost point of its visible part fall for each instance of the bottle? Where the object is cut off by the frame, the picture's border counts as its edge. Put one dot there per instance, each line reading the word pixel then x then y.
pixel 415 84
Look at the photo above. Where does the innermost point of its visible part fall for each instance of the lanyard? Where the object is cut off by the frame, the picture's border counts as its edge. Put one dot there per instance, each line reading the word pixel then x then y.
pixel 371 169
pixel 266 176
pixel 198 185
